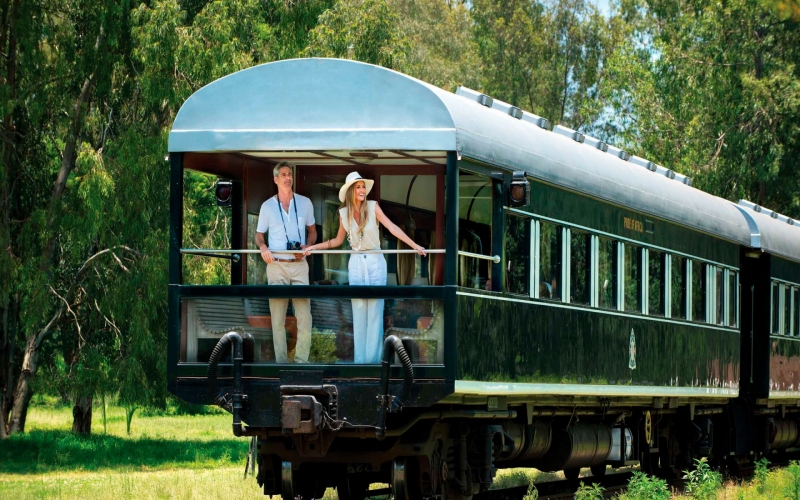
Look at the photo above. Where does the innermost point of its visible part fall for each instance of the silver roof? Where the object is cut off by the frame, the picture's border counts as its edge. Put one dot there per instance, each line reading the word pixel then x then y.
pixel 330 104
pixel 772 232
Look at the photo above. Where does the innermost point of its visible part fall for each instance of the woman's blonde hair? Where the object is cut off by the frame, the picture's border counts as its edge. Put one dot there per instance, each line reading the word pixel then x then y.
pixel 350 203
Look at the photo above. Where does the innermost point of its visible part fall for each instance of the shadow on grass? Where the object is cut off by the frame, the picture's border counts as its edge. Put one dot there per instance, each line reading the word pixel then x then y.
pixel 44 451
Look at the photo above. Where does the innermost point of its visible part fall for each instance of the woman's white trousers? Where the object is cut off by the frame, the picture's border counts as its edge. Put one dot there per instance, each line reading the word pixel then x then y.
pixel 367 269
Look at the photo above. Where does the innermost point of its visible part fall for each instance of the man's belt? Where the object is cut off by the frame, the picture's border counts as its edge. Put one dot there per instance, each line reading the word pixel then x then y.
pixel 301 259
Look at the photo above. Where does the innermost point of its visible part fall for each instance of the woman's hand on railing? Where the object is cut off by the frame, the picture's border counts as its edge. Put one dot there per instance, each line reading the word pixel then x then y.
pixel 420 249
pixel 307 250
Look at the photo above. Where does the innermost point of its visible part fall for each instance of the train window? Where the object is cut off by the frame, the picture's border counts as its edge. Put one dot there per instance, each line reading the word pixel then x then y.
pixel 655 282
pixel 411 202
pixel 329 335
pixel 787 309
pixel 719 295
pixel 580 269
pixel 698 290
pixel 796 311
pixel 474 229
pixel 517 254
pixel 733 303
pixel 776 308
pixel 550 248
pixel 205 225
pixel 633 278
pixel 678 297
pixel 607 261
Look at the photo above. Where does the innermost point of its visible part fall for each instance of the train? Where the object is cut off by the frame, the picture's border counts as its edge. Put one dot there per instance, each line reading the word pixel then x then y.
pixel 579 306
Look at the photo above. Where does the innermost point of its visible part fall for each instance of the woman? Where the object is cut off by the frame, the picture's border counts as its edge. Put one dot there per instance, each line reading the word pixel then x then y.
pixel 358 219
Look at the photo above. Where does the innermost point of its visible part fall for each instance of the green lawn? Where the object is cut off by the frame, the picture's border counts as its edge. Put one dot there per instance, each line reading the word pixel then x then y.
pixel 166 456
pixel 187 457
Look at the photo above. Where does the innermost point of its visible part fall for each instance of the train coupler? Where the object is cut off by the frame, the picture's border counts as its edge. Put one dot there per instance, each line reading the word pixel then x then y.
pixel 300 414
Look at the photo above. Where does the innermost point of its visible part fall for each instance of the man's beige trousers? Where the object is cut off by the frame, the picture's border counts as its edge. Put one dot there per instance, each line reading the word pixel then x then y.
pixel 290 273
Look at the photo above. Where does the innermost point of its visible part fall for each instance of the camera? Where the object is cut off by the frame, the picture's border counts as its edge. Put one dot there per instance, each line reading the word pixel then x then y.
pixel 293 245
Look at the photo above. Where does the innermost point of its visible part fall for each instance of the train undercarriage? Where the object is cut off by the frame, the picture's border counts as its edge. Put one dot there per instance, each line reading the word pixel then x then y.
pixel 451 452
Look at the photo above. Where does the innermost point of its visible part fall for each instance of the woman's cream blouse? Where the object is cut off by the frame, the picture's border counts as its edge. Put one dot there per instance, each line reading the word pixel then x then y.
pixel 369 237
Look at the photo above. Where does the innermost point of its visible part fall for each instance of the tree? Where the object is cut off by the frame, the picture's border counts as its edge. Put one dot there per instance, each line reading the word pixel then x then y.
pixel 712 91
pixel 441 47
pixel 364 30
pixel 548 58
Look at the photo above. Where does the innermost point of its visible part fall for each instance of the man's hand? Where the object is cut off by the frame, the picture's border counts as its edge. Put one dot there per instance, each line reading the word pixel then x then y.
pixel 267 255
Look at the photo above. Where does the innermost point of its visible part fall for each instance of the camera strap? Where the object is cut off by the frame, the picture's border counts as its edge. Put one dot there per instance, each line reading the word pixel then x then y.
pixel 296 220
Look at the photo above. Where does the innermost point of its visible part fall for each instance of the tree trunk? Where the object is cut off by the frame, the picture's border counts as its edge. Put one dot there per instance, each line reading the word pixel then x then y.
pixel 24 391
pixel 103 402
pixel 128 417
pixel 82 415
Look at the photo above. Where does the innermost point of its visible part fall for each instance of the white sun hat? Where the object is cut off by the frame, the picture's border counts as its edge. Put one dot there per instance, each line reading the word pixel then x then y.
pixel 354 177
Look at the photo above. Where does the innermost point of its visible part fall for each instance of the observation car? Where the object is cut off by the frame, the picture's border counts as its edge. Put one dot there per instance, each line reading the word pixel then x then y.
pixel 579 306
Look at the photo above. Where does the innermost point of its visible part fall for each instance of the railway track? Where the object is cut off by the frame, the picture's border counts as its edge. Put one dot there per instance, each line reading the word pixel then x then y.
pixel 612 483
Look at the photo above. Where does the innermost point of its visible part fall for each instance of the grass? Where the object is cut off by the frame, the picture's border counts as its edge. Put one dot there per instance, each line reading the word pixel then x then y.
pixel 169 455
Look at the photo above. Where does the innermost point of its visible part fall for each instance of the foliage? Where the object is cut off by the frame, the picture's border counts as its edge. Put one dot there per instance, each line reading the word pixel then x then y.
pixel 702 482
pixel 364 30
pixel 323 346
pixel 441 49
pixel 679 62
pixel 548 58
pixel 792 490
pixel 532 493
pixel 760 474
pixel 592 492
pixel 88 91
pixel 645 487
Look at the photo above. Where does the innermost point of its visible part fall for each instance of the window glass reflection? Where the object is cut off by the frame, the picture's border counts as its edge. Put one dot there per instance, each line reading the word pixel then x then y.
pixel 550 261
pixel 733 303
pixel 607 273
pixel 655 283
pixel 720 295
pixel 580 276
pixel 787 309
pixel 678 299
pixel 776 308
pixel 796 311
pixel 474 229
pixel 418 322
pixel 698 291
pixel 517 253
pixel 633 278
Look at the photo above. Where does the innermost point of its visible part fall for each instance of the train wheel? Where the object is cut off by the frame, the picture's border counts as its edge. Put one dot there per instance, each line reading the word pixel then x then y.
pixel 405 479
pixel 598 470
pixel 572 474
pixel 352 488
pixel 299 486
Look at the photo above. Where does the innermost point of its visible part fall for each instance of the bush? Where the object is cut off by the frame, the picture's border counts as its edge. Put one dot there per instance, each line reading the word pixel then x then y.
pixel 761 473
pixel 644 487
pixel 593 492
pixel 512 479
pixel 323 346
pixel 792 491
pixel 702 482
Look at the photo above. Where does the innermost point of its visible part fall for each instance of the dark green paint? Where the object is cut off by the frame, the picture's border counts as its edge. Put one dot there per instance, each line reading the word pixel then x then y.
pixel 526 341
pixel 556 203
pixel 785 269
pixel 784 365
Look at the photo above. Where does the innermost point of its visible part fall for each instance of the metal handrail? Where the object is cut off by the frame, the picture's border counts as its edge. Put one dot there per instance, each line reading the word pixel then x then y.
pixel 223 253
pixel 493 258
pixel 208 251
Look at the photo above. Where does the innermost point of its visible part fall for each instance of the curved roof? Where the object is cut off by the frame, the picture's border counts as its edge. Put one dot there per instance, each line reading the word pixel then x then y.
pixel 771 233
pixel 320 104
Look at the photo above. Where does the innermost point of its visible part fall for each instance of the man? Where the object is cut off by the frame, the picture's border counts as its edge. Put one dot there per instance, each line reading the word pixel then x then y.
pixel 286 217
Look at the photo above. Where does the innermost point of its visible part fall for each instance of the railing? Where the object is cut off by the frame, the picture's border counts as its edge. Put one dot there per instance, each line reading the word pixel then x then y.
pixel 235 255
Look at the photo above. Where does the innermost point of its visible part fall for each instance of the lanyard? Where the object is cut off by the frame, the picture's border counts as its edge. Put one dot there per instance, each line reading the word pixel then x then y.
pixel 296 220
